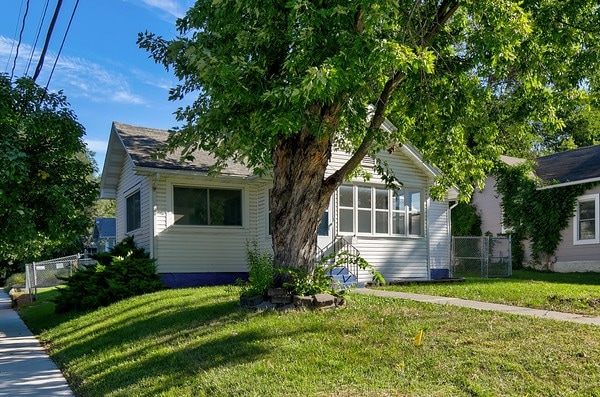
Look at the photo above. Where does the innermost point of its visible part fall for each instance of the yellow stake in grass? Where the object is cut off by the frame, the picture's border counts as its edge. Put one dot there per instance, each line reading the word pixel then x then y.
pixel 419 338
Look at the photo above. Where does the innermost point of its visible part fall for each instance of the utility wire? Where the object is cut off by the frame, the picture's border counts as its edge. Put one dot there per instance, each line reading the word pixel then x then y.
pixel 14 39
pixel 62 44
pixel 12 72
pixel 39 30
pixel 40 64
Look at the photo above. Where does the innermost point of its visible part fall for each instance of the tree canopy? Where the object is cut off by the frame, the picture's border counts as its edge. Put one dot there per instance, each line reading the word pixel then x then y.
pixel 279 85
pixel 46 183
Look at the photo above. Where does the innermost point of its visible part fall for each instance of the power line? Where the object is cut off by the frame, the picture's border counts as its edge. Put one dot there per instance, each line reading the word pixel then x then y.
pixel 12 72
pixel 39 30
pixel 62 43
pixel 14 39
pixel 40 64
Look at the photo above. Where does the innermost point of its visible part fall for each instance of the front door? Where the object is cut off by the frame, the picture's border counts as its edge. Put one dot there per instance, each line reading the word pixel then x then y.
pixel 326 229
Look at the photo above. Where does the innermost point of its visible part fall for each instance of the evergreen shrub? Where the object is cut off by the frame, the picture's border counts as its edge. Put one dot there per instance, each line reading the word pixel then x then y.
pixel 123 272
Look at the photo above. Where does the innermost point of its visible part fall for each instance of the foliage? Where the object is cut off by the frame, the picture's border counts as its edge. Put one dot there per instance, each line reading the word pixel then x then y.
pixel 15 279
pixel 319 280
pixel 465 220
pixel 123 272
pixel 537 215
pixel 309 283
pixel 46 185
pixel 261 272
pixel 278 86
pixel 348 259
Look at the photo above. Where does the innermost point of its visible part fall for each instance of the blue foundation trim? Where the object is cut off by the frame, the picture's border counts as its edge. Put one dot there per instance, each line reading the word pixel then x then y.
pixel 437 274
pixel 182 280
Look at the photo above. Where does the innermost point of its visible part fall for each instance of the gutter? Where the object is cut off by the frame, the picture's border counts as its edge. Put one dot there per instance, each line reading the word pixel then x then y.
pixel 151 171
pixel 571 183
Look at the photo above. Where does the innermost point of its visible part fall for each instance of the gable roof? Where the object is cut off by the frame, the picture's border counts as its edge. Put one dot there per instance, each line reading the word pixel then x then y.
pixel 571 167
pixel 139 145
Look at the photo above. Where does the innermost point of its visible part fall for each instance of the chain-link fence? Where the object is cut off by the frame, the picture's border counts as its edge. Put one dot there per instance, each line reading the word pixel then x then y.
pixel 482 256
pixel 48 273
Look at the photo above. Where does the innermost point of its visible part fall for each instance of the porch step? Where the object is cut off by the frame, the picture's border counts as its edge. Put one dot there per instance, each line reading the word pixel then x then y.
pixel 342 277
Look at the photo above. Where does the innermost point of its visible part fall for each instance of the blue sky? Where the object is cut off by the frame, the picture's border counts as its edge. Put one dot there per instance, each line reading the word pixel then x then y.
pixel 101 70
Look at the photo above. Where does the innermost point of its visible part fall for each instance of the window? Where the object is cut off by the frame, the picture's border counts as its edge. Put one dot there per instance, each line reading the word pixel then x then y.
pixel 133 212
pixel 379 211
pixel 203 206
pixel 586 220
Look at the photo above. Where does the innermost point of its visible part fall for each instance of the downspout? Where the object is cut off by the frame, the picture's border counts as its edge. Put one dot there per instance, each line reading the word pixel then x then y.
pixel 427 203
pixel 153 214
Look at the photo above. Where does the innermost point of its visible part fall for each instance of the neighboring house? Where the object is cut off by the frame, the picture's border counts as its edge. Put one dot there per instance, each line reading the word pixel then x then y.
pixel 579 250
pixel 487 202
pixel 104 236
pixel 197 226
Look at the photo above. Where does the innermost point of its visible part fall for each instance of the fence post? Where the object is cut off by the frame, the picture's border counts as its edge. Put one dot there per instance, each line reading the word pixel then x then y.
pixel 510 254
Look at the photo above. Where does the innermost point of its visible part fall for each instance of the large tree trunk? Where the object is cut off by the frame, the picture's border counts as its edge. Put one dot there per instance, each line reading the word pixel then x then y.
pixel 298 198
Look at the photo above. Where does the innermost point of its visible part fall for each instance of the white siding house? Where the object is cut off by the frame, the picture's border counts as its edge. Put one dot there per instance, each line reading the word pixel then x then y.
pixel 404 234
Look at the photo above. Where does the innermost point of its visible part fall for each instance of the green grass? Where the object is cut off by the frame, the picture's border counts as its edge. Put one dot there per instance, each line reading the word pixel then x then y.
pixel 198 342
pixel 570 292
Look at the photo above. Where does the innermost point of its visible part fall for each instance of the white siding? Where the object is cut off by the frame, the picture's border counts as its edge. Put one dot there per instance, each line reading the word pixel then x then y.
pixel 189 249
pixel 129 183
pixel 439 235
pixel 394 258
pixel 264 239
pixel 401 257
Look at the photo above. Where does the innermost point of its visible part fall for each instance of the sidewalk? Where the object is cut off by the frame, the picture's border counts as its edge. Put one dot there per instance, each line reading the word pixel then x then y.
pixel 25 368
pixel 575 318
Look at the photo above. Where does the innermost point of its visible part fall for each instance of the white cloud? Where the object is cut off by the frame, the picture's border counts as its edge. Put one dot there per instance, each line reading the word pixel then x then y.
pixel 97 146
pixel 171 7
pixel 77 77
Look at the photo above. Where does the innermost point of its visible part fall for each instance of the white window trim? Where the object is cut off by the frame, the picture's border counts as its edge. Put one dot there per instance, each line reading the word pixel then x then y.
pixel 171 206
pixel 596 199
pixel 390 211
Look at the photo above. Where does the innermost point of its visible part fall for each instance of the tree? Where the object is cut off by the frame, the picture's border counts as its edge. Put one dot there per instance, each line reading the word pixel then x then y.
pixel 280 85
pixel 46 183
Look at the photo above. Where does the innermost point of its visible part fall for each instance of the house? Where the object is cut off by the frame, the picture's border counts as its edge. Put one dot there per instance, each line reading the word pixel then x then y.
pixel 487 202
pixel 104 235
pixel 579 249
pixel 165 205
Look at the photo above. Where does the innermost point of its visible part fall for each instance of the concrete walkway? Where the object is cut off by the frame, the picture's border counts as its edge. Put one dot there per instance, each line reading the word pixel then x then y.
pixel 25 368
pixel 575 318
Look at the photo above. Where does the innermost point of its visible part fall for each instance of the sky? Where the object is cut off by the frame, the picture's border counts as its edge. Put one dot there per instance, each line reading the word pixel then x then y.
pixel 101 70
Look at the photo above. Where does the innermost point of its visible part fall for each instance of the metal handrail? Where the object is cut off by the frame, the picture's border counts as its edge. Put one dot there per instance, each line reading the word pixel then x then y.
pixel 338 246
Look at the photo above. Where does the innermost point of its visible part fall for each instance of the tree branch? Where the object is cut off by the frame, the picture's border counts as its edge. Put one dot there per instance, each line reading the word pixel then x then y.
pixel 445 11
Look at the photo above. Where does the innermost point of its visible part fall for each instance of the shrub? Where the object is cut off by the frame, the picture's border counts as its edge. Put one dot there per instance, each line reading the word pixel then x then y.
pixel 14 279
pixel 261 272
pixel 123 272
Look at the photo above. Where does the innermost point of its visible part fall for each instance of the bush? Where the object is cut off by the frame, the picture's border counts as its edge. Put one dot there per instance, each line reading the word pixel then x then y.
pixel 14 279
pixel 123 272
pixel 261 272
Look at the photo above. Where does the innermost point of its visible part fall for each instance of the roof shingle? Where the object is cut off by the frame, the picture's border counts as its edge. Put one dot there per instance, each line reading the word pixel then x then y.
pixel 141 143
pixel 570 166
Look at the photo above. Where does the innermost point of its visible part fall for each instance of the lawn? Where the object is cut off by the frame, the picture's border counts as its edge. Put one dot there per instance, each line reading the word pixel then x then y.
pixel 198 342
pixel 570 292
